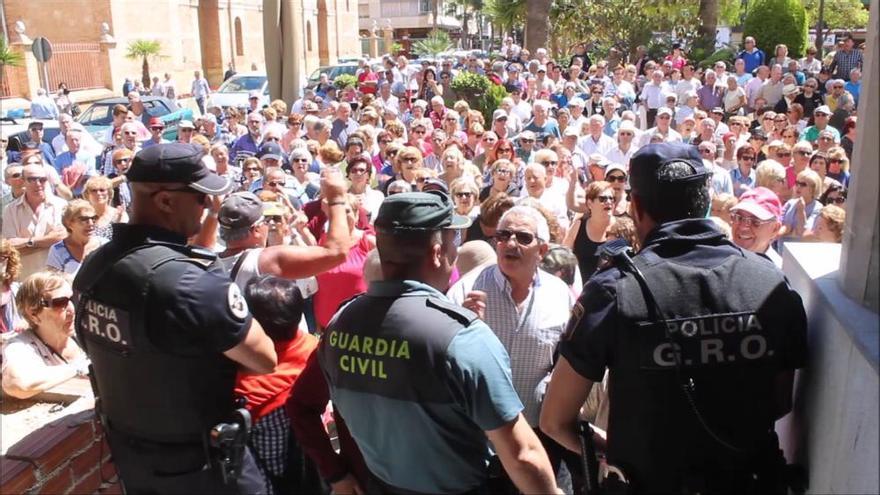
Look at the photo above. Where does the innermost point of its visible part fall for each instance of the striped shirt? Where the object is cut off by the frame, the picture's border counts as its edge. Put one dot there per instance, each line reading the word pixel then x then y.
pixel 529 332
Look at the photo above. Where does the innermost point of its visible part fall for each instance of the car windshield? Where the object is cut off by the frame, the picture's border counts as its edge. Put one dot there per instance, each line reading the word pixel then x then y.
pixel 96 115
pixel 242 84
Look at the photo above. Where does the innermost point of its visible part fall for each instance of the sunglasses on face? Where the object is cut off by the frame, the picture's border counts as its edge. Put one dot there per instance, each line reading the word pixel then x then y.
pixel 158 128
pixel 749 221
pixel 34 180
pixel 502 171
pixel 549 163
pixel 748 158
pixel 803 153
pixel 615 178
pixel 57 302
pixel 784 154
pixel 522 238
pixel 605 199
pixel 272 219
pixel 87 219
pixel 839 200
pixel 411 159
pixel 275 183
pixel 463 194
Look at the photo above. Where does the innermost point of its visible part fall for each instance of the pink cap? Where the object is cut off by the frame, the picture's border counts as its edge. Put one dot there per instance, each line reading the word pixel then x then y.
pixel 760 202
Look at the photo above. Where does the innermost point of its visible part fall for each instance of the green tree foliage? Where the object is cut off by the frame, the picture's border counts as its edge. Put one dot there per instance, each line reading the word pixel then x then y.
pixel 839 14
pixel 505 14
pixel 145 50
pixel 772 22
pixel 9 57
pixel 436 42
pixel 479 92
pixel 343 81
pixel 625 23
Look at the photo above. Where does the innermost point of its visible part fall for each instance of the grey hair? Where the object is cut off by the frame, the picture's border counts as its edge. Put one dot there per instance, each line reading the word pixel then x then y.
pixel 232 235
pixel 542 230
pixel 300 152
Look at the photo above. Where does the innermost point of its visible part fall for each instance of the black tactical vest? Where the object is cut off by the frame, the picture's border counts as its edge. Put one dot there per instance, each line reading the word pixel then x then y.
pixel 724 329
pixel 143 390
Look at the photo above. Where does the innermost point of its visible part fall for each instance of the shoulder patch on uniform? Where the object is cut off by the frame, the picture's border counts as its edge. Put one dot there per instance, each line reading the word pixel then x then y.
pixel 237 305
pixel 464 315
pixel 577 312
pixel 202 262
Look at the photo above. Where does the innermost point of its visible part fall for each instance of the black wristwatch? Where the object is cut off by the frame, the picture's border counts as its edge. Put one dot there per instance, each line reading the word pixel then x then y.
pixel 30 242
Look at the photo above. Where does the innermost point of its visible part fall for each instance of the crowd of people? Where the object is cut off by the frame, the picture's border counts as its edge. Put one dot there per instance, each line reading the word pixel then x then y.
pixel 544 180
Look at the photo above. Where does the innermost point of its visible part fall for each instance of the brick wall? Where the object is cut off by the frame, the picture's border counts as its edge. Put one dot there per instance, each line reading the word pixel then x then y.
pixel 67 456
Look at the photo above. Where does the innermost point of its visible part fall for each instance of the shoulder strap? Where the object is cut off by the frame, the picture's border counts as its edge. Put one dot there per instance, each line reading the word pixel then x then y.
pixel 237 266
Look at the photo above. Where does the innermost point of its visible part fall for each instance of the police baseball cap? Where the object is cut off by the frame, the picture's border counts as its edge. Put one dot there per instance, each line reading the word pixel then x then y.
pixel 418 212
pixel 176 163
pixel 649 159
pixel 240 210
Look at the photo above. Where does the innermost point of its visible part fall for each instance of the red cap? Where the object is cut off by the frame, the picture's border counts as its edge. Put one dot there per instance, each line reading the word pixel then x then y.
pixel 726 136
pixel 760 202
pixel 156 122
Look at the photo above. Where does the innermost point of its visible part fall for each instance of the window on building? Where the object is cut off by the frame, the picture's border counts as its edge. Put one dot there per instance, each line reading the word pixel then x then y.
pixel 239 40
pixel 425 6
pixel 309 36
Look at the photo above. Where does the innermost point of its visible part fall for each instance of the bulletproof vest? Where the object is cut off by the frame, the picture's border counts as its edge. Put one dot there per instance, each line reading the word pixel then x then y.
pixel 394 347
pixel 144 391
pixel 721 331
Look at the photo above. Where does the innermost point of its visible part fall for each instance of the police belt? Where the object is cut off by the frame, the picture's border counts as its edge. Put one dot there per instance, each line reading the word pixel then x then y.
pixel 377 486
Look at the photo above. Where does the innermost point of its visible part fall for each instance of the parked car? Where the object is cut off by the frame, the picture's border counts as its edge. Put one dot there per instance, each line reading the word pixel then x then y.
pixel 16 131
pixel 332 72
pixel 99 116
pixel 234 91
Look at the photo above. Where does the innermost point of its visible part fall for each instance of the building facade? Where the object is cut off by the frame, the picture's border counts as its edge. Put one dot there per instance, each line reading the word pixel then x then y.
pixel 90 39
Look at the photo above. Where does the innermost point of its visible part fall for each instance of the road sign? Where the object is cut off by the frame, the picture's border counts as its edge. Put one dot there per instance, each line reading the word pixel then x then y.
pixel 42 49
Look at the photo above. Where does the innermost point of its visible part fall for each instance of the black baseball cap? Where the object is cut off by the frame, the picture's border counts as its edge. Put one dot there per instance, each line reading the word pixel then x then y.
pixel 176 163
pixel 418 212
pixel 647 161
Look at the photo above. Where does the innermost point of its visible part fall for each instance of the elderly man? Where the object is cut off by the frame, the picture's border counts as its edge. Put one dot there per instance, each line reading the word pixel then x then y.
pixel 541 124
pixel 756 222
pixel 66 123
pixel 343 125
pixel 663 129
pixel 32 223
pixel 35 141
pixel 596 141
pixel 248 144
pixel 536 186
pixel 75 165
pixel 43 107
pixel 526 307
pixel 626 144
pixel 129 141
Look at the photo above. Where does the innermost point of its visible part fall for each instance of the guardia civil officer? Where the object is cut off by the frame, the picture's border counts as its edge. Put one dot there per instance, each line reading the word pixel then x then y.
pixel 421 382
pixel 701 340
pixel 166 330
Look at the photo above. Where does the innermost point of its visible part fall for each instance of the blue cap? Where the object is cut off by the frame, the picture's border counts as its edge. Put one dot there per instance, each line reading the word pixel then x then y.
pixel 270 150
pixel 646 161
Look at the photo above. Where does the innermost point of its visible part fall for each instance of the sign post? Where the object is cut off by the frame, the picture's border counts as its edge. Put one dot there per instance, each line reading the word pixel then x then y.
pixel 43 52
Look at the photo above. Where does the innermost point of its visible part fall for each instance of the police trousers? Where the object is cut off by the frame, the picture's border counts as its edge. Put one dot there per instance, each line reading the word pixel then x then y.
pixel 148 468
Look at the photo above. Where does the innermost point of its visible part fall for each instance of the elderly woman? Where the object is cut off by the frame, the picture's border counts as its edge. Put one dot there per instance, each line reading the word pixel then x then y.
pixel 799 213
pixel 503 180
pixel 99 193
pixel 44 355
pixel 220 154
pixel 294 131
pixel 829 225
pixel 79 218
pixel 251 171
pixel 771 174
pixel 453 162
pixel 346 279
pixel 407 162
pixel 359 171
pixel 838 166
pixel 585 237
pixel 10 264
pixel 464 194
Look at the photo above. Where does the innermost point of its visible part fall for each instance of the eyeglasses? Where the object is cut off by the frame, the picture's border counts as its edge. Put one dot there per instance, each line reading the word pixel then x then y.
pixel 522 140
pixel 87 219
pixel 34 180
pixel 409 159
pixel 464 194
pixel 56 303
pixel 605 199
pixel 835 160
pixel 826 138
pixel 503 171
pixel 748 158
pixel 747 220
pixel 122 160
pixel 549 163
pixel 252 169
pixel 275 183
pixel 522 238
pixel 839 200
pixel 804 153
pixel 801 184
pixel 158 128
pixel 615 178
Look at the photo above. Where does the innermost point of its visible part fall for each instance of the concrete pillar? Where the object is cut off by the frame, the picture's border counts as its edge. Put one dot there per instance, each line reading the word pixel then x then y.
pixel 30 70
pixel 106 71
pixel 388 36
pixel 858 273
pixel 291 47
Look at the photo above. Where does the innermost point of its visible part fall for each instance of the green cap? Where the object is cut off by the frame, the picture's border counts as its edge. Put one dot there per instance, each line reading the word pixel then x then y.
pixel 418 212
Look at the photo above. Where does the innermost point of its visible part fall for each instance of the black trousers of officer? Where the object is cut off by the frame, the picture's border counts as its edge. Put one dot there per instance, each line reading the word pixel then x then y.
pixel 148 468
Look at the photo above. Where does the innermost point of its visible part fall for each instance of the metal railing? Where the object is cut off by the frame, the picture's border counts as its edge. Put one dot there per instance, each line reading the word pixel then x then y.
pixel 79 65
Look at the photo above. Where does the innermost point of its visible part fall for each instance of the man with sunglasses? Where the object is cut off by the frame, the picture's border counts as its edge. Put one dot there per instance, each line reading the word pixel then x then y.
pixel 407 367
pixel 166 331
pixel 157 129
pixel 32 223
pixel 700 339
pixel 526 307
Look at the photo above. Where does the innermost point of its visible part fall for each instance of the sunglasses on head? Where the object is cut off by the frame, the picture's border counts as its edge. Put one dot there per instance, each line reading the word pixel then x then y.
pixel 56 303
pixel 522 238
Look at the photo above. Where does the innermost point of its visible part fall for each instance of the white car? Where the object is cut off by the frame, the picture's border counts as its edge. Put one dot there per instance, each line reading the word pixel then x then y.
pixel 234 92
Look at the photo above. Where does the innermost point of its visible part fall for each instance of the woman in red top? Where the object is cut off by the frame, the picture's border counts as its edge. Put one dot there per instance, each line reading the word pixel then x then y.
pixel 347 279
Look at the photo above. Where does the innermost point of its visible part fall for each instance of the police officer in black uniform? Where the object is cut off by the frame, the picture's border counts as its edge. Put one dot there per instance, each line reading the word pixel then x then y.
pixel 701 340
pixel 166 331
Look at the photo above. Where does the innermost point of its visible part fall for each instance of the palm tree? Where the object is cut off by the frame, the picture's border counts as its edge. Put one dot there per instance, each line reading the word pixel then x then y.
pixel 9 57
pixel 144 50
pixel 537 24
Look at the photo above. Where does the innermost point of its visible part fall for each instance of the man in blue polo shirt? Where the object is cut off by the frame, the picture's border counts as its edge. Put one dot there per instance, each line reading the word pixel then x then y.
pixel 752 55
